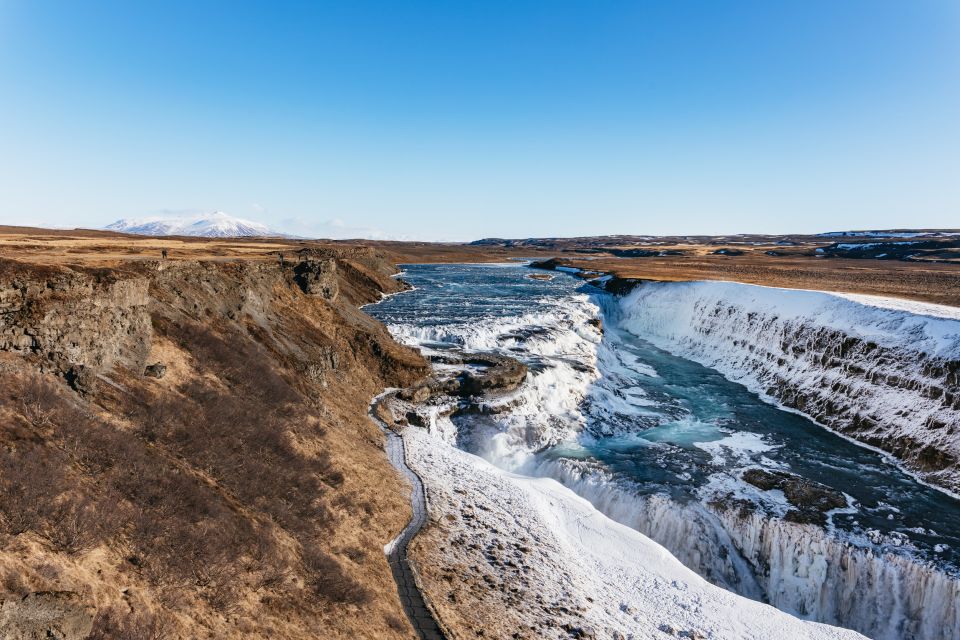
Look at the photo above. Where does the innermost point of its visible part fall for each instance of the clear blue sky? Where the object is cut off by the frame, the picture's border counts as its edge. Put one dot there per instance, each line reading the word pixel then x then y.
pixel 469 119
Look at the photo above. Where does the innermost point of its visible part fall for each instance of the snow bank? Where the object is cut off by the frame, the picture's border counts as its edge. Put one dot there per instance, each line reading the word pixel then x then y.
pixel 882 372
pixel 581 570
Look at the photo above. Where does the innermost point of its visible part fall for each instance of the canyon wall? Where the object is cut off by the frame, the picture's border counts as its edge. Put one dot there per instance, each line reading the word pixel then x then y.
pixel 885 373
pixel 185 449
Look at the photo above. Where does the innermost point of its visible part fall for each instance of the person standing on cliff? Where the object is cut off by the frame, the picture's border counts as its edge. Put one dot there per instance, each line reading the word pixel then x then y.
pixel 280 258
pixel 163 253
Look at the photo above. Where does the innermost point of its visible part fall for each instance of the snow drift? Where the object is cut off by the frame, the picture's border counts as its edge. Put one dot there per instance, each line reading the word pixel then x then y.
pixel 880 371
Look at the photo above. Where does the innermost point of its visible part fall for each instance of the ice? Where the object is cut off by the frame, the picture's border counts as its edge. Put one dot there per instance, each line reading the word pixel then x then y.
pixel 840 358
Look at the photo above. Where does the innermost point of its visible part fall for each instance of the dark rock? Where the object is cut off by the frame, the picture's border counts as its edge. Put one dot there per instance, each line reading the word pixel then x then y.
pixel 317 276
pixel 499 373
pixel 81 378
pixel 621 286
pixel 155 370
pixel 811 499
pixel 550 264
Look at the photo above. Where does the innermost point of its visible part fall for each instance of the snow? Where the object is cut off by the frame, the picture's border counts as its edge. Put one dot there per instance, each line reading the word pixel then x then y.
pixel 868 245
pixel 910 306
pixel 803 570
pixel 622 583
pixel 737 446
pixel 847 355
pixel 209 225
pixel 878 234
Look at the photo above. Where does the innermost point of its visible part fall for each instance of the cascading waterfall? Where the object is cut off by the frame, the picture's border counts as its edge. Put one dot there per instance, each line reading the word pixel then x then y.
pixel 581 391
pixel 885 372
pixel 797 568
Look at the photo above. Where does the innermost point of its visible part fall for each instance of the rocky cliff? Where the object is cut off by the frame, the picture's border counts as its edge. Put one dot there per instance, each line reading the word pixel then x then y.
pixel 185 452
pixel 884 372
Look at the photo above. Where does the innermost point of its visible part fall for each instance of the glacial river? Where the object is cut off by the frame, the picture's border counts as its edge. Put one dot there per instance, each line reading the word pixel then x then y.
pixel 661 443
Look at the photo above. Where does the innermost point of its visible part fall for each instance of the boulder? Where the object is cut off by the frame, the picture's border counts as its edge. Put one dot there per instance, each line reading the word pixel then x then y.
pixel 155 370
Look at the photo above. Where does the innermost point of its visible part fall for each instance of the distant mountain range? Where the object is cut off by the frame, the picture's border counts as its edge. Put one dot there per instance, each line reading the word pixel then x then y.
pixel 207 225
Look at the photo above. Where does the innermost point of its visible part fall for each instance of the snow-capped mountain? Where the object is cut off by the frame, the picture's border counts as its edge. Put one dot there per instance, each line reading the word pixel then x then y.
pixel 208 225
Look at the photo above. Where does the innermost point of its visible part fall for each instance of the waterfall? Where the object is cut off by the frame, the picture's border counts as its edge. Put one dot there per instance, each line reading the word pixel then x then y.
pixel 800 569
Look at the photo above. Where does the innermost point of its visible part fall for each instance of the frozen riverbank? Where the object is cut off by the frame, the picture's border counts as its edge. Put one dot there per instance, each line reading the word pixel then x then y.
pixel 884 373
pixel 508 553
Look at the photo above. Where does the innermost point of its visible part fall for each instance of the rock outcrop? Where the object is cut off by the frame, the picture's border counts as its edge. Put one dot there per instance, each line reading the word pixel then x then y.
pixel 317 276
pixel 75 322
pixel 811 500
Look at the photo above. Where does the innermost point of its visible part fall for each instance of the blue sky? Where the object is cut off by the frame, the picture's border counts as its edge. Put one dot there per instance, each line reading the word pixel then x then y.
pixel 460 120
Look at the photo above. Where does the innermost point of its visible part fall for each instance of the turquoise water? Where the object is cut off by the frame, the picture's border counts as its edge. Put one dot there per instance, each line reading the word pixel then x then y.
pixel 661 424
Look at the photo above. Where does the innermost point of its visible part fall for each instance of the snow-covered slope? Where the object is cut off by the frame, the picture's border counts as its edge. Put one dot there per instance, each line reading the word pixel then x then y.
pixel 209 225
pixel 883 373
pixel 567 570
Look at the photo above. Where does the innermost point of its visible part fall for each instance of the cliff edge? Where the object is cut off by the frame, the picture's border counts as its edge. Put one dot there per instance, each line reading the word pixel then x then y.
pixel 185 449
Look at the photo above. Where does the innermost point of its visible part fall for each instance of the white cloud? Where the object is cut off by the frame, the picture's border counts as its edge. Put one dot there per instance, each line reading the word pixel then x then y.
pixel 334 229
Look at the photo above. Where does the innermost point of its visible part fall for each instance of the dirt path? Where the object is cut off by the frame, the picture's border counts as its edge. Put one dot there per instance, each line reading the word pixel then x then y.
pixel 410 596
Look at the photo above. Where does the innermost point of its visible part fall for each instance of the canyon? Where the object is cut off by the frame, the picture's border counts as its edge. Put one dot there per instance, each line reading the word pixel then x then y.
pixel 187 450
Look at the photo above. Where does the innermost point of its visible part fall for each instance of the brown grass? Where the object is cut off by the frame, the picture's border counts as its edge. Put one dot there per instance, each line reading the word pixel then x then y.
pixel 235 498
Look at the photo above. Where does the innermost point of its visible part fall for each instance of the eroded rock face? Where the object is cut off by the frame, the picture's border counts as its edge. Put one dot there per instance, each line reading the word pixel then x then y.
pixel 317 276
pixel 885 377
pixel 75 323
pixel 83 323
pixel 46 615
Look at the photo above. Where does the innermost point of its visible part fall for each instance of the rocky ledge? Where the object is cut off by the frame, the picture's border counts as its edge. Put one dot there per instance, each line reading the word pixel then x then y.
pixel 476 383
pixel 811 500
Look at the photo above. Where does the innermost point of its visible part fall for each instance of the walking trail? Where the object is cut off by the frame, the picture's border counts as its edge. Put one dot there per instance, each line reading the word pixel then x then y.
pixel 410 595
